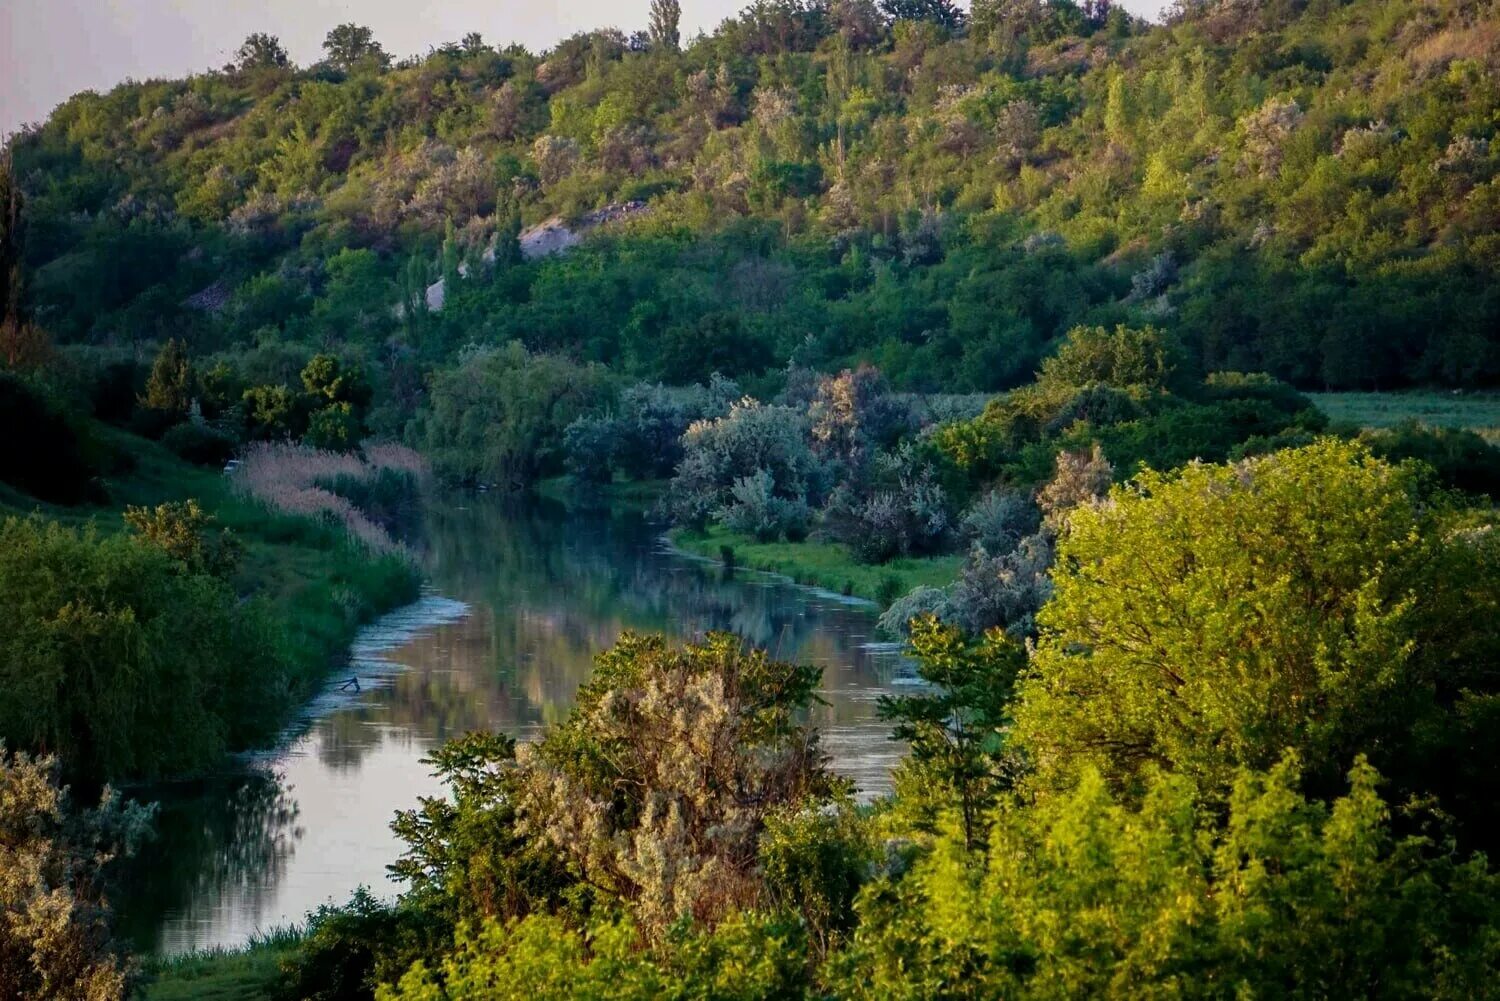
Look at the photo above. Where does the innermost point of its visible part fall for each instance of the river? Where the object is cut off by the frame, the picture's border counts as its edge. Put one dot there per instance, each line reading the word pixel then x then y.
pixel 521 596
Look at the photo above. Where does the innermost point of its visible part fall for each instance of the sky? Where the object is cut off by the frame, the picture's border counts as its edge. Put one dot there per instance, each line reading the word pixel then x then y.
pixel 51 49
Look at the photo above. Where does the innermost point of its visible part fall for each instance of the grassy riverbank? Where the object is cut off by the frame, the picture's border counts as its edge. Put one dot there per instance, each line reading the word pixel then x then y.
pixel 251 973
pixel 828 565
pixel 318 585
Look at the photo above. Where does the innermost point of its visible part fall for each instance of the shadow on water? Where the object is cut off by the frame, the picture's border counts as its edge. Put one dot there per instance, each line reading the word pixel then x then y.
pixel 524 595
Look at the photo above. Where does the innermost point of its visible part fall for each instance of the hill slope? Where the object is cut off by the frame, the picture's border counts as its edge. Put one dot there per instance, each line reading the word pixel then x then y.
pixel 1307 188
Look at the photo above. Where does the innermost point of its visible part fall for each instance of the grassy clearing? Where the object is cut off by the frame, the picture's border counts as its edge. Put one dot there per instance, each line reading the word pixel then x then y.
pixel 1478 412
pixel 248 974
pixel 828 565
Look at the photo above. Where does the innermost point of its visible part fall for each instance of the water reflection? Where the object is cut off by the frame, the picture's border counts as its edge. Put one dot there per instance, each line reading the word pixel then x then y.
pixel 541 591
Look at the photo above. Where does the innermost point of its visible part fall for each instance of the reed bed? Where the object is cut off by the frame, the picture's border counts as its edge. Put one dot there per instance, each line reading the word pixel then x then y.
pixel 289 479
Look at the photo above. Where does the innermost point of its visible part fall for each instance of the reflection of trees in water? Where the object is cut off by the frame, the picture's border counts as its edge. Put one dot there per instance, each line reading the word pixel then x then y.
pixel 548 590
pixel 222 835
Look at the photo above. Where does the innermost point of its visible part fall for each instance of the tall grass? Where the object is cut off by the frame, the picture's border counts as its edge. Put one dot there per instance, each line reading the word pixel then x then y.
pixel 292 479
pixel 253 971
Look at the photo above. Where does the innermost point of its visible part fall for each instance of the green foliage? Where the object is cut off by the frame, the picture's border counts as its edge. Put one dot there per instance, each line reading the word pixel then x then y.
pixel 1082 895
pixel 464 857
pixel 1307 192
pixel 54 929
pixel 1311 599
pixel 123 657
pixel 46 453
pixel 955 728
pixel 500 416
pixel 172 385
pixel 185 532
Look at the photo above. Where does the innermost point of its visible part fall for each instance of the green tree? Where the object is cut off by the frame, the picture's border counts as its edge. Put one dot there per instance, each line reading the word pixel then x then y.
pixel 500 416
pixel 173 383
pixel 1085 895
pixel 666 16
pixel 187 533
pixel 351 45
pixel 955 729
pixel 1313 599
pixel 261 51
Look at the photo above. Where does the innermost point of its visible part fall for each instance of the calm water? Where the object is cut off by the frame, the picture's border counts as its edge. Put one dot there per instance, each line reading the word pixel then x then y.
pixel 521 599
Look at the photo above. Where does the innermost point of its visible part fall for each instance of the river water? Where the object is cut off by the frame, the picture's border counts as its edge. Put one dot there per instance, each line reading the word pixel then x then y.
pixel 521 597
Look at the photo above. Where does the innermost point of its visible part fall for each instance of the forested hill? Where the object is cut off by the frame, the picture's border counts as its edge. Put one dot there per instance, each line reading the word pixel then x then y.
pixel 1304 187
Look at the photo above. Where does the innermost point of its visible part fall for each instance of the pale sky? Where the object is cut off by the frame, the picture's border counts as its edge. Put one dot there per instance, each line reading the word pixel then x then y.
pixel 54 48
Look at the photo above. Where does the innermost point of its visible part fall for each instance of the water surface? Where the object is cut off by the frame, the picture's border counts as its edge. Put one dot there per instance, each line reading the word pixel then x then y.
pixel 521 597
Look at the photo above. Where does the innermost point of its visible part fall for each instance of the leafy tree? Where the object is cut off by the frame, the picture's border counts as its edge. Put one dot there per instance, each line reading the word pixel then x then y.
pixel 1310 599
pixel 657 786
pixel 55 940
pixel 188 534
pixel 500 417
pixel 955 729
pixel 1085 895
pixel 261 51
pixel 666 15
pixel 118 658
pixel 942 13
pixel 173 383
pixel 351 45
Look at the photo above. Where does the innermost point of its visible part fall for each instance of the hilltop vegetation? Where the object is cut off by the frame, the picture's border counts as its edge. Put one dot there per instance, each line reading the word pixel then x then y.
pixel 1302 188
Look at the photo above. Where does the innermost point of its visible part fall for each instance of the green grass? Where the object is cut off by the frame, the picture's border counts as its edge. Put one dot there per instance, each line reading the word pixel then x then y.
pixel 828 565
pixel 1478 412
pixel 320 584
pixel 248 974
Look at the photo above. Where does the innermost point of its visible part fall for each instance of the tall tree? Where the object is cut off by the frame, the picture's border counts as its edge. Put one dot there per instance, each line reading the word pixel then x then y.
pixel 261 51
pixel 350 45
pixel 666 19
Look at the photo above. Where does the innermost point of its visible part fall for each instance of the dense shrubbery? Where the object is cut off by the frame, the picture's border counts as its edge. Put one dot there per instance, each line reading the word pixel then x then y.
pixel 54 860
pixel 127 656
pixel 1302 189
pixel 501 415
pixel 47 453
pixel 1174 793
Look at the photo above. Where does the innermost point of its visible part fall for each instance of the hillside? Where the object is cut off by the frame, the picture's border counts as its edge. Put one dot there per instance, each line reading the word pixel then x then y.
pixel 1303 188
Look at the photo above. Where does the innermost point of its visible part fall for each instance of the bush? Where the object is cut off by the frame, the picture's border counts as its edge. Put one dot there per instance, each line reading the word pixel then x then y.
pixel 500 416
pixel 55 942
pixel 121 659
pixel 1461 459
pixel 752 438
pixel 756 510
pixel 999 520
pixel 200 444
pixel 44 452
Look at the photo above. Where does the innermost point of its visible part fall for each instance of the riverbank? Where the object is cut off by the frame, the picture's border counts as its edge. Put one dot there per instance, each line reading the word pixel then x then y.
pixel 826 565
pixel 318 585
pixel 251 973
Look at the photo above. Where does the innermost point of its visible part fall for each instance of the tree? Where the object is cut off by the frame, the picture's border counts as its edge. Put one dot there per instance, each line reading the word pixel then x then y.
pixel 173 384
pixel 352 45
pixel 261 51
pixel 943 13
pixel 54 931
pixel 666 16
pixel 1313 599
pixel 955 728
pixel 1088 894
pixel 500 416
pixel 656 788
pixel 188 534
